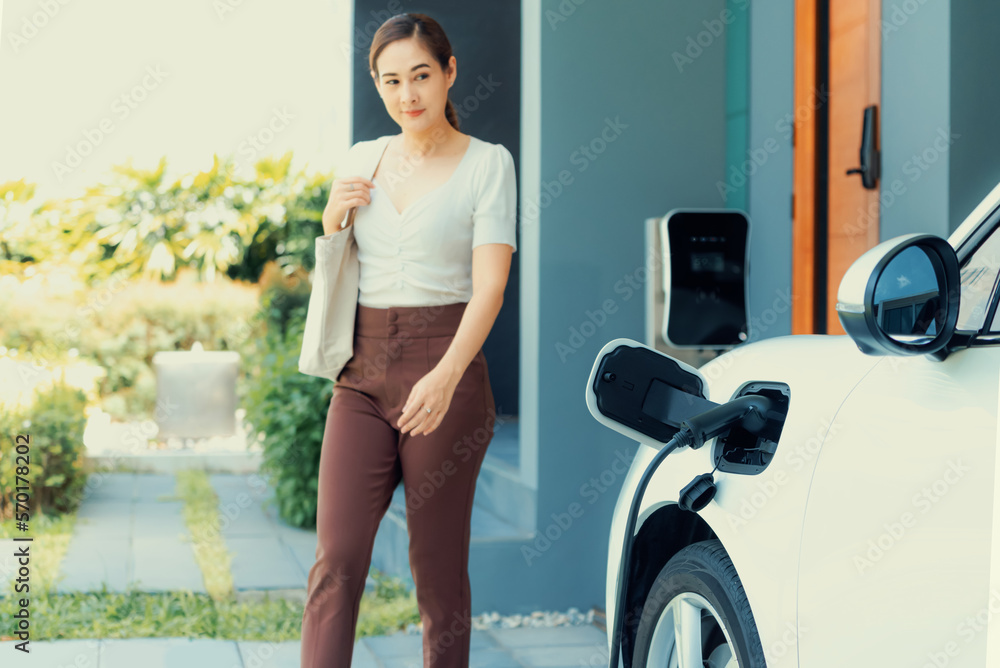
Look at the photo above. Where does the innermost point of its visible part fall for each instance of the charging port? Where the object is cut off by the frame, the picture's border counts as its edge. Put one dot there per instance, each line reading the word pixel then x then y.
pixel 739 451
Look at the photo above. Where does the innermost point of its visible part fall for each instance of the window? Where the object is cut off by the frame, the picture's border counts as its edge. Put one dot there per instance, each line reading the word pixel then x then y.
pixel 978 275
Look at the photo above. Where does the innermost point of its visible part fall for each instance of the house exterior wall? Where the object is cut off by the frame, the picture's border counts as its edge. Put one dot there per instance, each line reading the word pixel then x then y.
pixel 609 76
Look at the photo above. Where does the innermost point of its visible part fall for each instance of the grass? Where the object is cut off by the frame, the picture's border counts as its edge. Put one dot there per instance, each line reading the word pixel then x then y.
pixel 217 615
pixel 201 513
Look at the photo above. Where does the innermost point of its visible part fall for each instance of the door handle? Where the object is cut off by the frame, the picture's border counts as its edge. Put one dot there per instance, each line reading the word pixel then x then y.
pixel 870 155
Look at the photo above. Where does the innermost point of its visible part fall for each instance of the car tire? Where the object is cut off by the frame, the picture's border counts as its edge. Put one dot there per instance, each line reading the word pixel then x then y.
pixel 698 584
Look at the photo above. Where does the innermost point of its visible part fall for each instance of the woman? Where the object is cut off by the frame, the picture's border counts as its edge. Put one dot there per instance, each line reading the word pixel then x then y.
pixel 435 228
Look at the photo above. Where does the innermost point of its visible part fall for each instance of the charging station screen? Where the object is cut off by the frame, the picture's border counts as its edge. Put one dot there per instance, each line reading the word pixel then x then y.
pixel 707 278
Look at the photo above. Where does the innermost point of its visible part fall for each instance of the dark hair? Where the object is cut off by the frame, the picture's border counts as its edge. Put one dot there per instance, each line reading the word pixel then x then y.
pixel 431 35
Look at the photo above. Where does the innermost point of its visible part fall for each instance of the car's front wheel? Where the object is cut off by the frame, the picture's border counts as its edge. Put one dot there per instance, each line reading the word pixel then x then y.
pixel 697 616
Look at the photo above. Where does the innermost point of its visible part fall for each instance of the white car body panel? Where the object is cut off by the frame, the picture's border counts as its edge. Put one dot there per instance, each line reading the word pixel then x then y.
pixel 757 518
pixel 900 554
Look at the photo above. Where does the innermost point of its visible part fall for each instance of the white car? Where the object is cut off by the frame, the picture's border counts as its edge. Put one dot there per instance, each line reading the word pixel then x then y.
pixel 855 525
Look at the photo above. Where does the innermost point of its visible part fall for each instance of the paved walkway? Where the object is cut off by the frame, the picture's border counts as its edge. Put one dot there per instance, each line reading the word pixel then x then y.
pixel 130 531
pixel 563 647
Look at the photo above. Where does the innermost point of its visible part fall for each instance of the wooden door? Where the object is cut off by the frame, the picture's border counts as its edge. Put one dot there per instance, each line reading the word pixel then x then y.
pixel 835 219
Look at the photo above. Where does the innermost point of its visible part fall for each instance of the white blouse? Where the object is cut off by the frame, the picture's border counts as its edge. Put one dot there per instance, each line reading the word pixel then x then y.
pixel 423 256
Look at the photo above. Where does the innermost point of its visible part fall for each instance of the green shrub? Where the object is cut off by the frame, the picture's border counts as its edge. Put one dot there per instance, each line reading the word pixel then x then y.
pixel 119 325
pixel 55 474
pixel 290 408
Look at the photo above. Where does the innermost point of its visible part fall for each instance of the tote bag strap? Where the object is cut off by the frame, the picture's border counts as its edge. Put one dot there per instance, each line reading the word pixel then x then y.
pixel 370 163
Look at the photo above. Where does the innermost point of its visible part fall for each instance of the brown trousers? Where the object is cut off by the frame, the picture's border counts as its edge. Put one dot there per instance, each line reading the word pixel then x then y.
pixel 363 457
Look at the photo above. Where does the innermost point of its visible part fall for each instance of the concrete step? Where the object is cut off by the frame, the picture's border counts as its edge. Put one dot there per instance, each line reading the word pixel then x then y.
pixel 172 461
pixel 499 488
pixel 488 532
pixel 500 492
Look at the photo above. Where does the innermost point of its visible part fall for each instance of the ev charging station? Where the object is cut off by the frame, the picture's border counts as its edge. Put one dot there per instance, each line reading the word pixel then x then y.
pixel 706 264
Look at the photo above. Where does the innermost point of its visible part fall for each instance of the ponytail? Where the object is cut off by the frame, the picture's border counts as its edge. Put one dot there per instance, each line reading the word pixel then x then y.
pixel 449 113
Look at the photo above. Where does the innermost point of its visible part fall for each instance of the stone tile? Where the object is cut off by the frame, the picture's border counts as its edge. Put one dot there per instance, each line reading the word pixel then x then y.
pixel 106 526
pixel 302 545
pixel 158 518
pixel 289 655
pixel 261 654
pixel 110 487
pixel 89 562
pixel 104 509
pixel 162 563
pixel 546 637
pixel 414 661
pixel 246 490
pixel 53 654
pixel 241 500
pixel 479 656
pixel 492 658
pixel 244 521
pixel 233 483
pixel 169 653
pixel 396 646
pixel 363 658
pixel 152 486
pixel 567 656
pixel 264 563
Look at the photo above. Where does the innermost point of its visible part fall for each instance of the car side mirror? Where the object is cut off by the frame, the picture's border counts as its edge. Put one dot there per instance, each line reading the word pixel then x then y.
pixel 902 296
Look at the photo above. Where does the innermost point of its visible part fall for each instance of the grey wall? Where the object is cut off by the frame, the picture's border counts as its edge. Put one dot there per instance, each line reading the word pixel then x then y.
pixel 602 64
pixel 915 108
pixel 975 106
pixel 486 43
pixel 940 138
pixel 772 61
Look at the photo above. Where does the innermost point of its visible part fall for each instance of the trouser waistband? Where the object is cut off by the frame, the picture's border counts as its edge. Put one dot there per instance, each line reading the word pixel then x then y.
pixel 411 321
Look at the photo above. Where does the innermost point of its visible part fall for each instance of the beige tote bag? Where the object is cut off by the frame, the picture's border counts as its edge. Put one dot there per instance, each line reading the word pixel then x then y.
pixel 328 339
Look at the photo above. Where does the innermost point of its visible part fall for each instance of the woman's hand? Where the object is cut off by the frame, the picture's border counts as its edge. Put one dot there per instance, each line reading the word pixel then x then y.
pixel 345 194
pixel 433 391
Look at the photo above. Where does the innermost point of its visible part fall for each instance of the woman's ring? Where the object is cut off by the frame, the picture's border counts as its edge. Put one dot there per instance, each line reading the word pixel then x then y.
pixel 352 185
pixel 428 410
